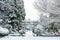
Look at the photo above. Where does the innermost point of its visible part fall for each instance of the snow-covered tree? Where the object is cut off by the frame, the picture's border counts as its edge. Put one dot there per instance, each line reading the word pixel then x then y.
pixel 12 13
pixel 50 14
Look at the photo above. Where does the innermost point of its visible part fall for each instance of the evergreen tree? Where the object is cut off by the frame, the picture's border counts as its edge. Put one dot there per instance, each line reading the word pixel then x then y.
pixel 12 13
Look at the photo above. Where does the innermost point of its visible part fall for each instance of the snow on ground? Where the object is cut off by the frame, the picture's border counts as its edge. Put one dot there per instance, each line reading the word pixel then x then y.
pixel 29 34
pixel 29 38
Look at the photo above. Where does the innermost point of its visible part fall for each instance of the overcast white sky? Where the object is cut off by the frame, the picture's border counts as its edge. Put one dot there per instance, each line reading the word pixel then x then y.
pixel 31 12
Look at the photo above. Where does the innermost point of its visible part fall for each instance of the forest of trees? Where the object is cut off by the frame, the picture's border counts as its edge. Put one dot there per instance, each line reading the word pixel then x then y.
pixel 12 13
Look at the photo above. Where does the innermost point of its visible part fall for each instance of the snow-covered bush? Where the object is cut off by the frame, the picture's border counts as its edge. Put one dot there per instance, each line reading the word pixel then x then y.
pixel 22 32
pixel 3 31
pixel 38 30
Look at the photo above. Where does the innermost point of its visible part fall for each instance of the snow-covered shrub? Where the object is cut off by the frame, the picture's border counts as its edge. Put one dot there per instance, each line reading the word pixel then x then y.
pixel 39 30
pixel 4 31
pixel 22 32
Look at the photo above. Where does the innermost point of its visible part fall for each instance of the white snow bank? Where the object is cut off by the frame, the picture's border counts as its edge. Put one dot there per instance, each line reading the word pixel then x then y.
pixel 4 30
pixel 29 38
pixel 29 34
